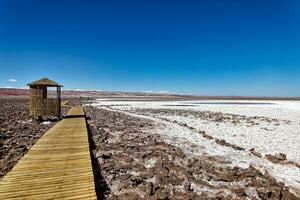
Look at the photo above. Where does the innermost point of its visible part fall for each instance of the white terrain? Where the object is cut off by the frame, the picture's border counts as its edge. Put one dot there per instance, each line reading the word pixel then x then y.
pixel 264 134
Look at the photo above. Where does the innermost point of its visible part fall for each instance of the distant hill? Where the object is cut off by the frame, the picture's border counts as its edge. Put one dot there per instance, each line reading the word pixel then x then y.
pixel 12 91
pixel 134 95
pixel 90 93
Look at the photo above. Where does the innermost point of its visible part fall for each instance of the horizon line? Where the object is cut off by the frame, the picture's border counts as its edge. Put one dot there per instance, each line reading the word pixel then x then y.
pixel 161 93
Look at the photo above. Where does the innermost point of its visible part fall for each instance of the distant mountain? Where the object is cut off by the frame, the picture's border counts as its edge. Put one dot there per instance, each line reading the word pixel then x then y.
pixel 90 93
pixel 134 95
pixel 13 91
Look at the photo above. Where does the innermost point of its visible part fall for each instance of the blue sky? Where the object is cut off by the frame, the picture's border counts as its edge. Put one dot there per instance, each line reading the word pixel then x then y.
pixel 208 47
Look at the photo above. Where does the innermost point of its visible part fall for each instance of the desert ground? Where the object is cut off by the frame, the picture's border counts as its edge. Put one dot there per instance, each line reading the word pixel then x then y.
pixel 198 149
pixel 164 148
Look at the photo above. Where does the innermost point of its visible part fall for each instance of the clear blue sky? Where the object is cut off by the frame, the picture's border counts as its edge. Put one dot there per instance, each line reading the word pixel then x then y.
pixel 208 47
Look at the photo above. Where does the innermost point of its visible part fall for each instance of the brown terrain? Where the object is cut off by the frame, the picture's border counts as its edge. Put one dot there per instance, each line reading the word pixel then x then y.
pixel 132 163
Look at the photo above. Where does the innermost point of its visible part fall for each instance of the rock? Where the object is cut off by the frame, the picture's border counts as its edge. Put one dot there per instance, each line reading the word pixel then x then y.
pixel 280 156
pixel 276 158
pixel 149 189
pixel 224 143
pixel 46 123
pixel 104 155
pixel 250 172
pixel 255 153
pixel 163 195
pixel 188 187
pixel 124 177
pixel 286 195
pixel 136 181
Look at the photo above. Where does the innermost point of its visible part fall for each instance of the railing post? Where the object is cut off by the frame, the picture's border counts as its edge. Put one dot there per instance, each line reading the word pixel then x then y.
pixel 59 100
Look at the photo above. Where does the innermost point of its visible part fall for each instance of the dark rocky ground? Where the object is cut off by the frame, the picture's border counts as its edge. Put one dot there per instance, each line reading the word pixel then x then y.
pixel 136 164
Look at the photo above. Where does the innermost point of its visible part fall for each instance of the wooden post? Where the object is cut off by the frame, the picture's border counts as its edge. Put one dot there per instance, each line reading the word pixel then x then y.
pixel 59 100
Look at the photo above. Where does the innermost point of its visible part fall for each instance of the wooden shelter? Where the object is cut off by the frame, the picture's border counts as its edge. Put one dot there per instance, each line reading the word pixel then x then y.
pixel 40 104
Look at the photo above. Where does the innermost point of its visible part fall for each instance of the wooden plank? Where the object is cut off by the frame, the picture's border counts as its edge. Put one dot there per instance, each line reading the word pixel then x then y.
pixel 58 166
pixel 76 111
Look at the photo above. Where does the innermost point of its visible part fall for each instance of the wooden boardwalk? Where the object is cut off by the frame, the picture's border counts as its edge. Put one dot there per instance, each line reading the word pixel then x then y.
pixel 58 166
pixel 76 112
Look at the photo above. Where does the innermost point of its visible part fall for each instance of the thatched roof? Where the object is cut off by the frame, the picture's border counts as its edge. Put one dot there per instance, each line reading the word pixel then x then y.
pixel 45 82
